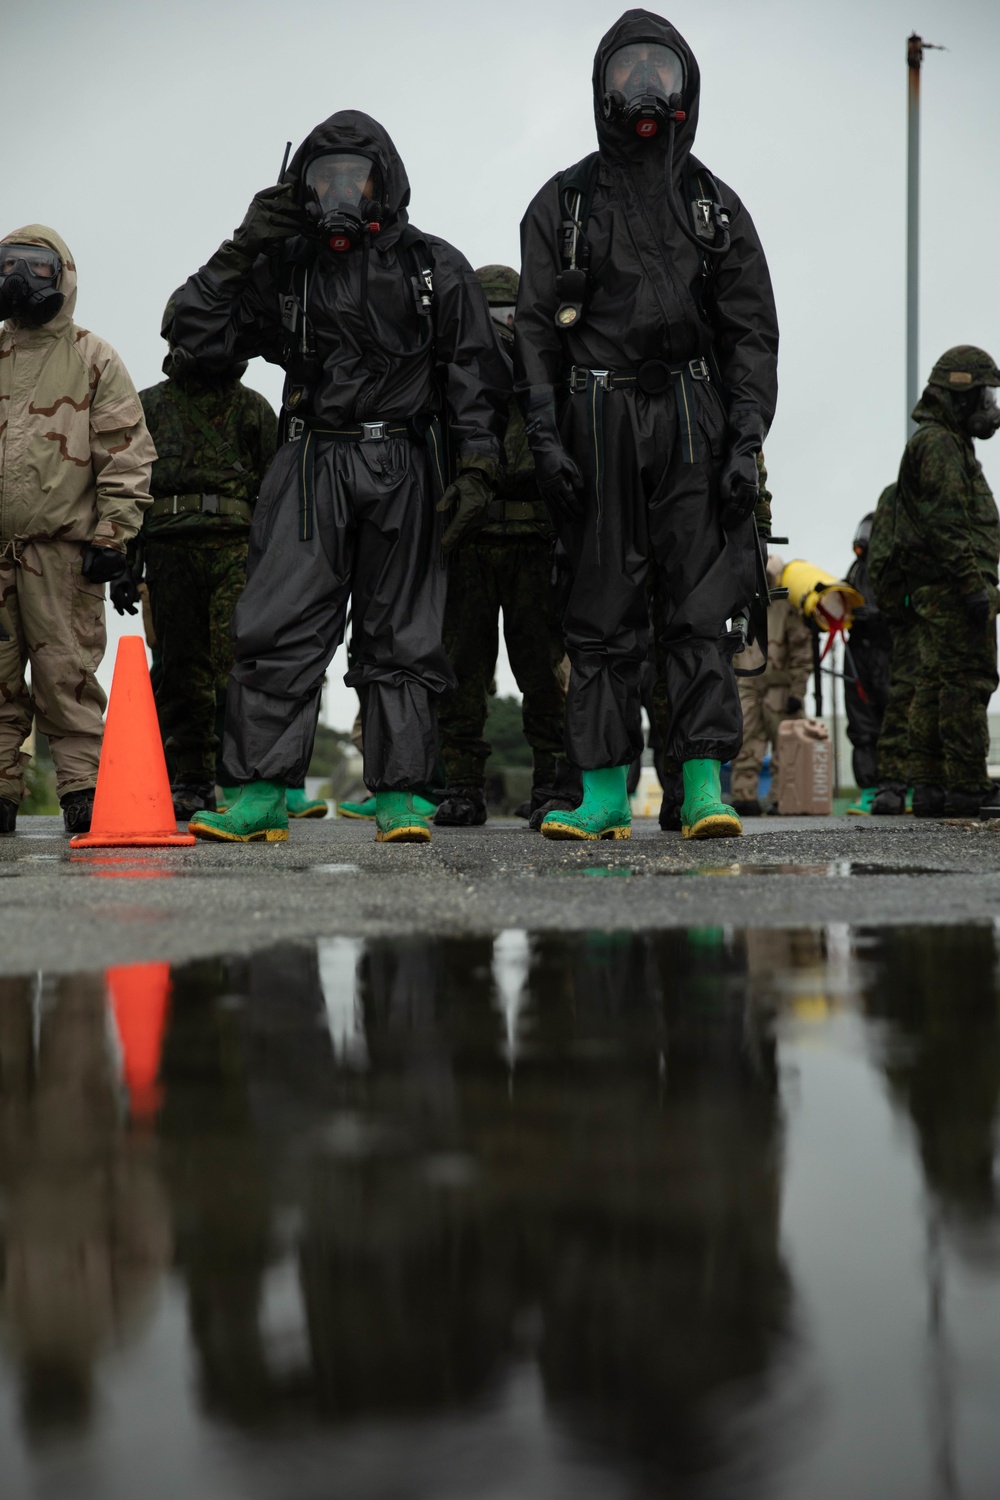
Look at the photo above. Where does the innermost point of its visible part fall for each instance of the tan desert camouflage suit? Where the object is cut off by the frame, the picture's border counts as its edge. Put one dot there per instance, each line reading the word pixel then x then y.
pixel 75 458
pixel 764 699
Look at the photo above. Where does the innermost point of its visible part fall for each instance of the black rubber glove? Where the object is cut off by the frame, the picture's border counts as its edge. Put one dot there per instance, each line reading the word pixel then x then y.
pixel 979 608
pixel 273 215
pixel 468 496
pixel 102 564
pixel 560 482
pixel 124 594
pixel 740 481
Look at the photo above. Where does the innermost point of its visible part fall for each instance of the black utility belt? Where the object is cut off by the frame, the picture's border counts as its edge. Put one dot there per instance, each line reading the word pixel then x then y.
pixel 359 432
pixel 206 505
pixel 653 377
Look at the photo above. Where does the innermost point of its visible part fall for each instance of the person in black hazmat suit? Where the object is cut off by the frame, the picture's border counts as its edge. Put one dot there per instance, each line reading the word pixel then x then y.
pixel 381 330
pixel 869 667
pixel 646 364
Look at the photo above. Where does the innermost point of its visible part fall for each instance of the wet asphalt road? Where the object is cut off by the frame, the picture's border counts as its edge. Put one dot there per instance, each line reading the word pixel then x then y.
pixel 66 911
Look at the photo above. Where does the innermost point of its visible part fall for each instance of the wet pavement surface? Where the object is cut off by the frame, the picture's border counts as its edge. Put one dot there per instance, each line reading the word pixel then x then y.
pixel 502 1170
pixel 82 910
pixel 687 1213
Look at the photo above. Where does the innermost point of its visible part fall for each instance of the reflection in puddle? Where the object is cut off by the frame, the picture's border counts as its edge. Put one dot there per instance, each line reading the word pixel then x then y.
pixel 830 869
pixel 594 1214
pixel 126 866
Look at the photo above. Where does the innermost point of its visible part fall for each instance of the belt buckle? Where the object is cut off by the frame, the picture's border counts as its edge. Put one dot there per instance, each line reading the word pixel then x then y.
pixel 296 427
pixel 371 432
pixel 699 368
pixel 210 505
pixel 602 378
pixel 577 380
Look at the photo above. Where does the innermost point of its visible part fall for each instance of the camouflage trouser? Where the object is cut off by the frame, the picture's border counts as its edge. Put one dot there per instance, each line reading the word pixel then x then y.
pixel 193 589
pixel 485 577
pixel 52 618
pixel 893 751
pixel 949 732
pixel 761 722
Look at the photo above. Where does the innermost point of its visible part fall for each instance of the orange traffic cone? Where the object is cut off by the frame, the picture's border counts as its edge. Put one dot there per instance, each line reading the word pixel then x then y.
pixel 140 999
pixel 132 804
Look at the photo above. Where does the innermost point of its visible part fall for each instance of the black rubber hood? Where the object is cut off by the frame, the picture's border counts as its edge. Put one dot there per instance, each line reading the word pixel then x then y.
pixel 350 130
pixel 614 137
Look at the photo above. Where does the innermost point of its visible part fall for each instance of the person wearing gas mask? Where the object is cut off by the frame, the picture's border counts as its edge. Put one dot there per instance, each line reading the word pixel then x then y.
pixel 75 459
pixel 215 439
pixel 385 337
pixel 867 673
pixel 646 365
pixel 506 567
pixel 944 550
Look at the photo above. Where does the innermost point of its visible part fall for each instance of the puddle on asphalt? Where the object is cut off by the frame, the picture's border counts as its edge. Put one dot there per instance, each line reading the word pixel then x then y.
pixel 700 1213
pixel 830 869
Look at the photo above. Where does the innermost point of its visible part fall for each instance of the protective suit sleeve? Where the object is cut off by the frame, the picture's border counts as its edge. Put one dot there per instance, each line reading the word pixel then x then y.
pixel 229 310
pixel 740 306
pixel 539 361
pixel 937 494
pixel 122 454
pixel 475 371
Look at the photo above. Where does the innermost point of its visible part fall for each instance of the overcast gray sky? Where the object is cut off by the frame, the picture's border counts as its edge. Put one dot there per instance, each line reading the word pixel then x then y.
pixel 140 131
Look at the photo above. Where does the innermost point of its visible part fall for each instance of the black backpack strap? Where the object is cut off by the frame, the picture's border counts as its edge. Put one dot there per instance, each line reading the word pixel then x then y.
pixel 416 250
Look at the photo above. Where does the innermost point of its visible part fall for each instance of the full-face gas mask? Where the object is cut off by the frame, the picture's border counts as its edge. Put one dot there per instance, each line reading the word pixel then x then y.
pixel 863 535
pixel 643 86
pixel 343 198
pixel 29 280
pixel 982 415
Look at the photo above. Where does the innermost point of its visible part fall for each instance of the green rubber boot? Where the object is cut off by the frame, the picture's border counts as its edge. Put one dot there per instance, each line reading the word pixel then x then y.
pixel 863 807
pixel 604 812
pixel 229 796
pixel 397 820
pixel 365 809
pixel 256 814
pixel 298 805
pixel 704 815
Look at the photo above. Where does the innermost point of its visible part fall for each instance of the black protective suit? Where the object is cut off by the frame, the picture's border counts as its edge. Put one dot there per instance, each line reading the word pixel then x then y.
pixel 650 463
pixel 341 518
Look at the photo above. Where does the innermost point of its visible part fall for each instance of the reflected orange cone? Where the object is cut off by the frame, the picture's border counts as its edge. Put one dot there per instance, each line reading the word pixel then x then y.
pixel 132 804
pixel 140 999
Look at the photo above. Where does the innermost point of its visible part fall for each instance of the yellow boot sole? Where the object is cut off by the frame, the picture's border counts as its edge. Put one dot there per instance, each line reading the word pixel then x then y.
pixel 715 826
pixel 554 830
pixel 310 812
pixel 409 834
pixel 265 836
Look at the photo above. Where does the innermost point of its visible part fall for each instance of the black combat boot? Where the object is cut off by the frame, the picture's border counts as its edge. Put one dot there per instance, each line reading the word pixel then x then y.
pixel 982 804
pixel 563 795
pixel 77 808
pixel 8 815
pixel 463 807
pixel 190 797
pixel 748 809
pixel 890 800
pixel 670 803
pixel 930 802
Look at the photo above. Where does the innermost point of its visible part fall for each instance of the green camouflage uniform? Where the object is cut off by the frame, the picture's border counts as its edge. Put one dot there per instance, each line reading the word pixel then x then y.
pixel 945 546
pixel 214 443
pixel 893 754
pixel 507 566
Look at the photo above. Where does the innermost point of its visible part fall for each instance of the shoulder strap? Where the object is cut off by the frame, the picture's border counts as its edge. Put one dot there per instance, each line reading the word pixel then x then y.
pixel 577 186
pixel 414 246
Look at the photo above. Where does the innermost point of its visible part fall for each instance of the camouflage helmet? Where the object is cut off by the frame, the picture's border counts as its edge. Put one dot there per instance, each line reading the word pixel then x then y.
pixel 499 284
pixel 963 368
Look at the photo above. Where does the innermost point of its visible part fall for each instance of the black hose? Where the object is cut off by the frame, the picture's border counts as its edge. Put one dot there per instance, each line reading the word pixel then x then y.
pixel 688 234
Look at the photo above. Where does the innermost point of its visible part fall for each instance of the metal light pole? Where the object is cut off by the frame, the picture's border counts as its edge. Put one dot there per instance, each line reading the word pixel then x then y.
pixel 915 48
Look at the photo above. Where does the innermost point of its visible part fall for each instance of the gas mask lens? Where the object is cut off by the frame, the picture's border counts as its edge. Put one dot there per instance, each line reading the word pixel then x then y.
pixel 643 68
pixel 40 266
pixel 343 178
pixel 984 419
